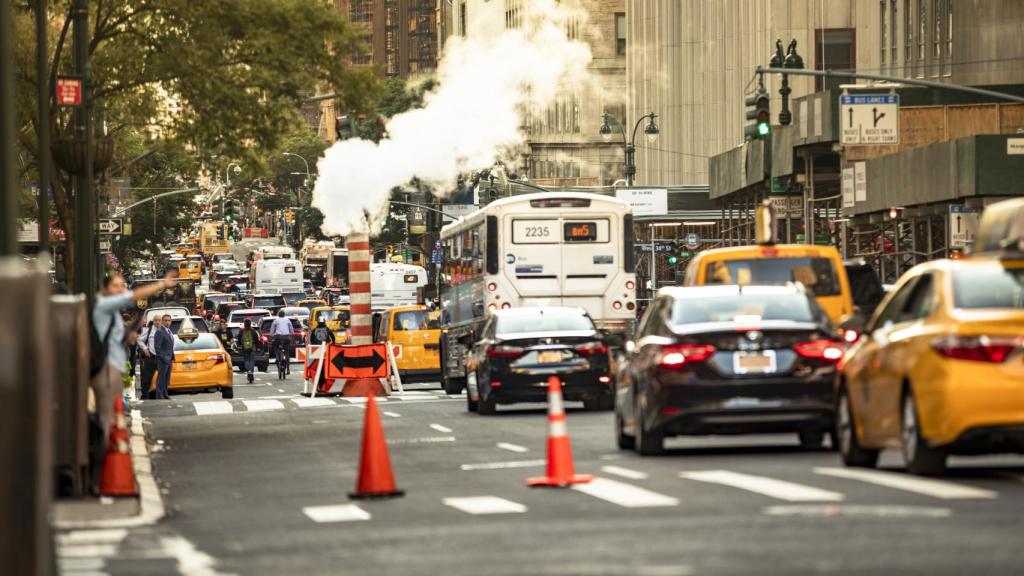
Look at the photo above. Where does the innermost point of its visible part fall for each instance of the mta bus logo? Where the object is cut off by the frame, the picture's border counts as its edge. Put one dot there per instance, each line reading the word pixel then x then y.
pixel 510 259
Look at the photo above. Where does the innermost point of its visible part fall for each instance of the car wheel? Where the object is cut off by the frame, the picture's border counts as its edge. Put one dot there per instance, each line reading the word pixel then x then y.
pixel 648 442
pixel 811 438
pixel 471 405
pixel 264 367
pixel 625 442
pixel 227 392
pixel 846 436
pixel 487 405
pixel 921 458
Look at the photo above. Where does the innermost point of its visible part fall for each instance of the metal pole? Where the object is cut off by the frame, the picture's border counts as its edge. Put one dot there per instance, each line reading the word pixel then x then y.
pixel 43 128
pixel 84 216
pixel 8 136
pixel 654 266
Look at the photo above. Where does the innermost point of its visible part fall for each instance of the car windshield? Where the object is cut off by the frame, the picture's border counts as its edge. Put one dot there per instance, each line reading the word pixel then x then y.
pixel 333 316
pixel 414 320
pixel 197 322
pixel 988 287
pixel 817 274
pixel 745 308
pixel 213 301
pixel 544 321
pixel 254 316
pixel 202 342
pixel 266 301
pixel 292 297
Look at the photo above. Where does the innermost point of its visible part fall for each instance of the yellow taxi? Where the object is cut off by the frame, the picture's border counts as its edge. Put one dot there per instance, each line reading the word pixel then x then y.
pixel 940 368
pixel 819 268
pixel 190 270
pixel 337 318
pixel 200 363
pixel 414 333
pixel 185 249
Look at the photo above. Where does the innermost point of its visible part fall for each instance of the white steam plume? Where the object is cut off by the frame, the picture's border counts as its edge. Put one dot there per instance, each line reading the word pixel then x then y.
pixel 470 120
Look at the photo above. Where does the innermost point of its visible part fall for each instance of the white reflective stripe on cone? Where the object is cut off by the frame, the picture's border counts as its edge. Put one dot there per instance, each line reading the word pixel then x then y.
pixel 555 407
pixel 557 429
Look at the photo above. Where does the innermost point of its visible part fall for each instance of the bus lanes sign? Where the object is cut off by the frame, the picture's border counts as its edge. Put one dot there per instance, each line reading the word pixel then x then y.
pixel 869 119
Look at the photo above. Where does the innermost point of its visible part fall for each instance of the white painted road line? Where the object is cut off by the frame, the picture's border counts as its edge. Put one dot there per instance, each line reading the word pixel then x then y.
pixel 336 513
pixel 313 402
pixel 278 397
pixel 362 399
pixel 87 551
pixel 833 510
pixel 110 536
pixel 393 414
pixel 625 472
pixel 625 495
pixel 80 566
pixel 503 465
pixel 441 428
pixel 216 407
pixel 512 447
pixel 263 405
pixel 781 489
pixel 927 486
pixel 485 505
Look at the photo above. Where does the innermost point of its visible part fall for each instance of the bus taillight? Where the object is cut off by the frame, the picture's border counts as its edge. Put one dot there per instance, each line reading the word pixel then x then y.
pixel 616 305
pixel 630 285
pixel 492 287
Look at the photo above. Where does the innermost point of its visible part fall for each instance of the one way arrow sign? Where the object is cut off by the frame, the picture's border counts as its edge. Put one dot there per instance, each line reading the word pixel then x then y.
pixel 111 226
pixel 361 361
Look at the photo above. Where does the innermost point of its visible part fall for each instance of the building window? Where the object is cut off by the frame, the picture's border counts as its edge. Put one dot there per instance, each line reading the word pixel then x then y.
pixel 620 34
pixel 938 35
pixel 948 62
pixel 893 47
pixel 883 30
pixel 922 34
pixel 835 49
pixel 908 39
pixel 462 19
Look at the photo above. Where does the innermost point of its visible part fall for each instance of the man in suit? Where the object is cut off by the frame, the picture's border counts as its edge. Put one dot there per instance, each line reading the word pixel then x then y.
pixel 163 349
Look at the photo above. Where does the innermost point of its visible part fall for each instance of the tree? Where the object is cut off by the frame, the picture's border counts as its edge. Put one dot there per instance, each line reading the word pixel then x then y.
pixel 225 77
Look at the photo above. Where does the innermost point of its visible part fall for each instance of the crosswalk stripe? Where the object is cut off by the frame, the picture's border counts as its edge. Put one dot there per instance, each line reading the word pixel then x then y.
pixel 781 489
pixel 79 566
pixel 93 536
pixel 336 513
pixel 625 472
pixel 313 402
pixel 263 405
pixel 87 551
pixel 927 486
pixel 625 495
pixel 362 399
pixel 485 505
pixel 214 407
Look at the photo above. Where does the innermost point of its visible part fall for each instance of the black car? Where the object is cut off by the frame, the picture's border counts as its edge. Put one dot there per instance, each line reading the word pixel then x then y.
pixel 519 348
pixel 234 283
pixel 291 298
pixel 262 357
pixel 224 310
pixel 728 360
pixel 867 292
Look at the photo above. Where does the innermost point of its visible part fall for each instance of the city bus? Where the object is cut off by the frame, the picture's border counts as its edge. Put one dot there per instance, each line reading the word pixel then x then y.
pixel 544 249
pixel 393 284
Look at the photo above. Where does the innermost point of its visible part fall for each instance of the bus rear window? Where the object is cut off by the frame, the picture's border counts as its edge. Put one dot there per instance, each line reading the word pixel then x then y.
pixel 816 274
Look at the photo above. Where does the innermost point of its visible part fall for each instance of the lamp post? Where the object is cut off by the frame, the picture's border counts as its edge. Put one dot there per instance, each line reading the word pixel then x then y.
pixel 791 61
pixel 651 131
pixel 298 196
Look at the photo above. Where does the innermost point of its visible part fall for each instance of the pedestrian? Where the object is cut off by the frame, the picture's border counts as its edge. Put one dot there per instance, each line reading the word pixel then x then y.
pixel 163 345
pixel 247 339
pixel 147 385
pixel 114 296
pixel 322 334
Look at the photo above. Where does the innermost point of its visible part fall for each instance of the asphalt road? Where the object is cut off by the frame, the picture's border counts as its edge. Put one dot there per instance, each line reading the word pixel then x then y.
pixel 258 485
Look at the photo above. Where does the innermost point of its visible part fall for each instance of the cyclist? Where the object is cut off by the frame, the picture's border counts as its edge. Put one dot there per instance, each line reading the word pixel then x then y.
pixel 281 335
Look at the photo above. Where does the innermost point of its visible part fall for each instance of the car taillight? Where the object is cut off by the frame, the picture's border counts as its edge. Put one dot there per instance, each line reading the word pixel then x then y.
pixel 591 349
pixel 216 316
pixel 263 339
pixel 502 351
pixel 217 358
pixel 993 349
pixel 851 336
pixel 678 355
pixel 828 350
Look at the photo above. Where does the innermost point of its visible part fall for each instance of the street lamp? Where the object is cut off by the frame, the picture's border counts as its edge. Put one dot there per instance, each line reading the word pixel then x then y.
pixel 298 195
pixel 651 131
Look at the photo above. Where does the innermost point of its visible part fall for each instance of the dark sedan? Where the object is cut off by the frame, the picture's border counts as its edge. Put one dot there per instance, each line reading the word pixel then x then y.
pixel 519 348
pixel 728 360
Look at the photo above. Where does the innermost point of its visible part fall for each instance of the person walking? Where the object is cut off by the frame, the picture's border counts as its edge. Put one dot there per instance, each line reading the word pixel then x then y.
pixel 114 297
pixel 247 339
pixel 147 361
pixel 163 346
pixel 281 334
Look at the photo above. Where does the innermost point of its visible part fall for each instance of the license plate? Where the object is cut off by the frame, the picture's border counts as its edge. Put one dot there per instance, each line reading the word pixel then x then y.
pixel 754 362
pixel 188 365
pixel 550 357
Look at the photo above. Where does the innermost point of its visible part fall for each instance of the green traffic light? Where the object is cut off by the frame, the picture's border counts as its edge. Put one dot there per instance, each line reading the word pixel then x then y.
pixel 763 129
pixel 672 259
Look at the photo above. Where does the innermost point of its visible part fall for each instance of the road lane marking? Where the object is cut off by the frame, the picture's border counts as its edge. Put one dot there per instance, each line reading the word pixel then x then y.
pixel 80 566
pixel 278 397
pixel 926 486
pixel 485 505
pixel 781 489
pixel 426 440
pixel 213 407
pixel 393 414
pixel 263 405
pixel 512 447
pixel 830 510
pixel 335 513
pixel 625 472
pixel 625 495
pixel 503 465
pixel 313 402
pixel 441 428
pixel 110 536
pixel 87 551
pixel 362 399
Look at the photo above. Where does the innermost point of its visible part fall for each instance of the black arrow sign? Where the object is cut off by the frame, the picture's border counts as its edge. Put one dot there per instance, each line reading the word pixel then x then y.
pixel 851 117
pixel 877 116
pixel 374 361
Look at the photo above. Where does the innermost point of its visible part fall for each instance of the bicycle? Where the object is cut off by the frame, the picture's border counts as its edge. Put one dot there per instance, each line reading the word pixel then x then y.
pixel 281 358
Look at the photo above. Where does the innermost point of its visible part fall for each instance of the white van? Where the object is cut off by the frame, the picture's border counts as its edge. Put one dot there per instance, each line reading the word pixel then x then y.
pixel 276 275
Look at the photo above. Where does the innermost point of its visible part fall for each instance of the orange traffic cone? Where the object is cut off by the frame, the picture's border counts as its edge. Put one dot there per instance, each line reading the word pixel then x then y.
pixel 376 479
pixel 118 475
pixel 560 471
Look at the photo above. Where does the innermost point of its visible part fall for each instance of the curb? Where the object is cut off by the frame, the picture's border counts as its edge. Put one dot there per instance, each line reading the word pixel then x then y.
pixel 151 504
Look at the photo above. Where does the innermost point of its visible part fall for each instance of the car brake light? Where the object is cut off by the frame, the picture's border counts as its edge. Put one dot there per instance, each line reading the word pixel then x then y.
pixel 502 351
pixel 828 350
pixel 217 358
pixel 678 355
pixel 263 339
pixel 993 349
pixel 591 349
pixel 851 336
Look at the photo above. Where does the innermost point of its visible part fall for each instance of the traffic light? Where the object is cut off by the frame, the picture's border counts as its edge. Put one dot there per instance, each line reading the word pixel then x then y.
pixel 229 211
pixel 761 114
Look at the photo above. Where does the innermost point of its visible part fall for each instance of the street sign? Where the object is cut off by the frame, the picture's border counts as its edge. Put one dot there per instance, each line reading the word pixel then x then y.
pixel 787 206
pixel 360 361
pixel 869 119
pixel 664 247
pixel 69 92
pixel 963 225
pixel 692 240
pixel 642 247
pixel 111 226
pixel 649 202
pixel 104 245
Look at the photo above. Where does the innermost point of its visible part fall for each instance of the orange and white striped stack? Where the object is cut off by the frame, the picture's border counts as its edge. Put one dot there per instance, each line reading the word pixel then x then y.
pixel 358 244
pixel 560 470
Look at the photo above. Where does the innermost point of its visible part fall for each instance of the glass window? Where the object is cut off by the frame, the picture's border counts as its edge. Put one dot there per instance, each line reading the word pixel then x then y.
pixel 620 34
pixel 835 50
pixel 202 342
pixel 921 300
pixel 883 30
pixel 794 307
pixel 908 35
pixel 413 320
pixel 949 38
pixel 816 274
pixel 334 316
pixel 543 320
pixel 993 287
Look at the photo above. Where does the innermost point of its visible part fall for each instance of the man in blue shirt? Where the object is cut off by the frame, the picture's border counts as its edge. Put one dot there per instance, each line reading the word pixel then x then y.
pixel 163 348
